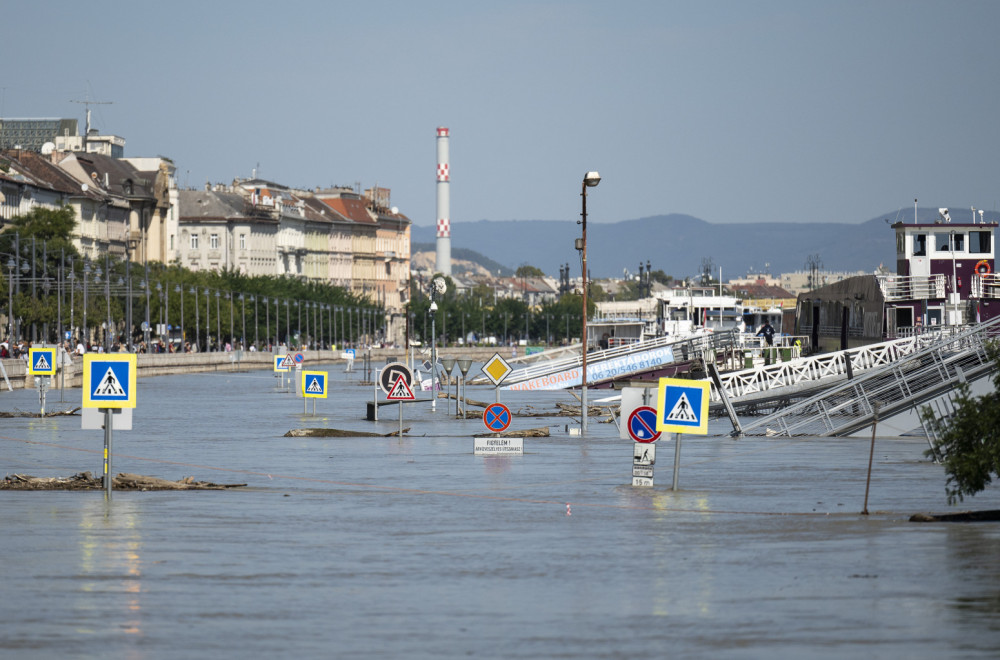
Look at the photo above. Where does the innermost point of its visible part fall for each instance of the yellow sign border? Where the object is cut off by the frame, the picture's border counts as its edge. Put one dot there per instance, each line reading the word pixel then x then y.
pixel 326 384
pixel 278 359
pixel 661 394
pixel 89 359
pixel 31 361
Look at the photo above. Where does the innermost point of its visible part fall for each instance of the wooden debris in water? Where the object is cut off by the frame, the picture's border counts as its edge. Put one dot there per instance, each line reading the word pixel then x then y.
pixel 23 413
pixel 542 432
pixel 124 481
pixel 339 433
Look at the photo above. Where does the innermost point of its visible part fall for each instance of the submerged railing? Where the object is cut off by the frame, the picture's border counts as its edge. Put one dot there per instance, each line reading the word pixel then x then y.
pixel 909 381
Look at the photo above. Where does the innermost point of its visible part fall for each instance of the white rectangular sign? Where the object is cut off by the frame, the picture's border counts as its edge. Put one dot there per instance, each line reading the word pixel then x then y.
pixel 642 471
pixel 642 482
pixel 93 419
pixel 497 446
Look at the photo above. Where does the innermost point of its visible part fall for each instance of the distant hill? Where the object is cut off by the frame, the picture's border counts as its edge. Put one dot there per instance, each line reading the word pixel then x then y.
pixel 677 244
pixel 466 254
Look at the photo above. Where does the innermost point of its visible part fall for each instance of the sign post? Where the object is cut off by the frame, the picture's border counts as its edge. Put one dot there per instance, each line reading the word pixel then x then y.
pixel 682 407
pixel 313 387
pixel 497 418
pixel 109 384
pixel 496 369
pixel 400 391
pixel 641 428
pixel 42 364
pixel 282 363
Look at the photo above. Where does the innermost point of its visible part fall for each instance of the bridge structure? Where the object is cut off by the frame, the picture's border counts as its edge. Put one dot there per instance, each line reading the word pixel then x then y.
pixel 890 395
pixel 768 387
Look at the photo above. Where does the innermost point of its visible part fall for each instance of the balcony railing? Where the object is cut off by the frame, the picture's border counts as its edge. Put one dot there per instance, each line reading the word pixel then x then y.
pixel 912 287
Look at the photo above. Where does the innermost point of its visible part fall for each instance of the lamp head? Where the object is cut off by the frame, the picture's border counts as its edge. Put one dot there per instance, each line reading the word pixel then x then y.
pixel 591 179
pixel 434 306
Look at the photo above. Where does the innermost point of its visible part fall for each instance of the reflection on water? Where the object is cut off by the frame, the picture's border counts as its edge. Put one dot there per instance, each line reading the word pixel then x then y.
pixel 414 547
pixel 110 568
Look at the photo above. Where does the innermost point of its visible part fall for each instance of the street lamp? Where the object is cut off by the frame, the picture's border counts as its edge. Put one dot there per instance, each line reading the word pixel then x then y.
pixel 433 310
pixel 178 289
pixel 590 179
pixel 11 263
pixel 197 321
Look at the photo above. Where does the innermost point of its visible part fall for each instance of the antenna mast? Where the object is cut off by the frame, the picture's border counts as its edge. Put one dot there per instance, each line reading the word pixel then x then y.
pixel 89 103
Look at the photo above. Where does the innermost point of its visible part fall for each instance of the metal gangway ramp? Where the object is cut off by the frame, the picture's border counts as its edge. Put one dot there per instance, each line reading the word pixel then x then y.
pixel 681 350
pixel 897 388
pixel 769 386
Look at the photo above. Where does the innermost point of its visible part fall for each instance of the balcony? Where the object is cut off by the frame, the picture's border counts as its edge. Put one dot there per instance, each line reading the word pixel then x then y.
pixel 911 287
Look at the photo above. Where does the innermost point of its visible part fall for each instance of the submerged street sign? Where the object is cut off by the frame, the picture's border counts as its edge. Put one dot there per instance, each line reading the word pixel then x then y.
pixel 42 361
pixel 314 384
pixel 496 369
pixel 109 380
pixel 682 406
pixel 282 363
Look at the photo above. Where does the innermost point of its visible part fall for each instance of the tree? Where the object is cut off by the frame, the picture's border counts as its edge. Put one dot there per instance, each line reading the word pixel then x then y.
pixel 968 442
pixel 54 226
pixel 529 271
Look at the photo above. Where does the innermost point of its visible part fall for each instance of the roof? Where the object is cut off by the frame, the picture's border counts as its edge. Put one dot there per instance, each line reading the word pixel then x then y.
pixel 41 172
pixel 761 291
pixel 208 204
pixel 353 208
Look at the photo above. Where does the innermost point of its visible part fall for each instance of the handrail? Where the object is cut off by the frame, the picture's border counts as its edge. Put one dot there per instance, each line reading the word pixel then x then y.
pixel 890 389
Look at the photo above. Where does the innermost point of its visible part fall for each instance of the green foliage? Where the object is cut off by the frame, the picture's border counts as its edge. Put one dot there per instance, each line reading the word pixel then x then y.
pixel 528 271
pixel 968 442
pixel 661 277
pixel 53 226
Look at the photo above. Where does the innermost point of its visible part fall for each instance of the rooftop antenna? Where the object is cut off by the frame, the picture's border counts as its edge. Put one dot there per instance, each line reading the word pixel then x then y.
pixel 89 103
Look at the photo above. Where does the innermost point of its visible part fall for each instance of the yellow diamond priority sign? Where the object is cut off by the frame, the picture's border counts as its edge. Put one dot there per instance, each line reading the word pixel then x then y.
pixel 496 369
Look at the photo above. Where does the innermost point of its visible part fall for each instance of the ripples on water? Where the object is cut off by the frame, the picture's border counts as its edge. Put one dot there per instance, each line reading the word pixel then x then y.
pixel 413 547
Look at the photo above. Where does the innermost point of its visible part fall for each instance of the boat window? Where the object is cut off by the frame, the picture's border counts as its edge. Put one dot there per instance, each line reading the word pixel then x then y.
pixel 920 245
pixel 959 242
pixel 980 242
pixel 941 243
pixel 900 244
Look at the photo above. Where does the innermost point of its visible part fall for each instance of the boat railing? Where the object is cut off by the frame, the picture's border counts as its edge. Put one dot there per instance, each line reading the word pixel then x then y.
pixel 911 287
pixel 985 286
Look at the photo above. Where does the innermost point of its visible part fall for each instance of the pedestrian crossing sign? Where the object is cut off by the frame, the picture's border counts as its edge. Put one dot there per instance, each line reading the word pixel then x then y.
pixel 283 363
pixel 314 384
pixel 682 406
pixel 42 361
pixel 400 391
pixel 109 380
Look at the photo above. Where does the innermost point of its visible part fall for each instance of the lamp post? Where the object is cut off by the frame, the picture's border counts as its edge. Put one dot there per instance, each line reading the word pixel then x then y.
pixel 86 330
pixel 433 310
pixel 208 321
pixel 179 290
pixel 197 321
pixel 590 179
pixel 267 326
pixel 11 262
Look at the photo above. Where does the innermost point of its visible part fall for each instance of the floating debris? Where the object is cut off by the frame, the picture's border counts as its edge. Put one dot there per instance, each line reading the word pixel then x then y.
pixel 338 433
pixel 124 481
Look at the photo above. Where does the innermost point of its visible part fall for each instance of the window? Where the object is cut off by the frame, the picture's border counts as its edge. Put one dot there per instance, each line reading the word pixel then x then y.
pixel 920 245
pixel 171 241
pixel 243 241
pixel 194 241
pixel 213 241
pixel 942 244
pixel 980 242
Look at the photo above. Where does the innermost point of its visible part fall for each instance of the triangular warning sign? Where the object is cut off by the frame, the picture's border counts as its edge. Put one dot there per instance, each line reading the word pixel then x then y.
pixel 682 411
pixel 109 386
pixel 41 364
pixel 314 386
pixel 287 362
pixel 400 390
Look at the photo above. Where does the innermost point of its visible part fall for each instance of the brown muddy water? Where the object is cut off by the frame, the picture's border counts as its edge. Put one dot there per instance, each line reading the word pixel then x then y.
pixel 416 548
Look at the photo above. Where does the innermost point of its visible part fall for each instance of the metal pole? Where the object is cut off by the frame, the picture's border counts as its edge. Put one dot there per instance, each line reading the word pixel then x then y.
pixel 583 409
pixel 107 452
pixel 677 458
pixel 871 456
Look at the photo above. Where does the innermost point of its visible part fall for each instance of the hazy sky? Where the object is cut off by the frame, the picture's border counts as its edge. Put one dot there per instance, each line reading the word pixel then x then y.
pixel 729 111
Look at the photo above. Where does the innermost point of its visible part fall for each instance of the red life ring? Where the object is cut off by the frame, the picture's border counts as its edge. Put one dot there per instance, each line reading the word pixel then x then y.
pixel 983 267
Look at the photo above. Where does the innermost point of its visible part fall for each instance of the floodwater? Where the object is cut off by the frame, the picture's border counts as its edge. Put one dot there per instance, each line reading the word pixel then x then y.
pixel 416 548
